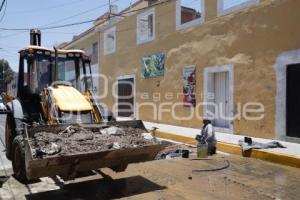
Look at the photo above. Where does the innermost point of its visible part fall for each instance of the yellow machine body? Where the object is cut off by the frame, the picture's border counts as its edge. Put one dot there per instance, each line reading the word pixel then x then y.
pixel 67 98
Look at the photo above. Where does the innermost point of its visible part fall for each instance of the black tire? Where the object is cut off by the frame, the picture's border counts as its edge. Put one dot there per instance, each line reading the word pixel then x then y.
pixel 18 159
pixel 9 135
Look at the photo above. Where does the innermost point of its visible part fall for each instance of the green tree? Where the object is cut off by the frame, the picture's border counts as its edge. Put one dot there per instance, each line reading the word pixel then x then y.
pixel 6 74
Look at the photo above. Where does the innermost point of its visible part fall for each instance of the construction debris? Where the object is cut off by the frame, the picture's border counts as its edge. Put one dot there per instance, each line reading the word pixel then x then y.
pixel 174 151
pixel 76 140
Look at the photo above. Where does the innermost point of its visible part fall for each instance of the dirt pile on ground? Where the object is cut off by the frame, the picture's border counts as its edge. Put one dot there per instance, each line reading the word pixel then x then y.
pixel 74 140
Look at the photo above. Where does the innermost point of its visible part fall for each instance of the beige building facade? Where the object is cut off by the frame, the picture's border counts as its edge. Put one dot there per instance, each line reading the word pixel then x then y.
pixel 244 56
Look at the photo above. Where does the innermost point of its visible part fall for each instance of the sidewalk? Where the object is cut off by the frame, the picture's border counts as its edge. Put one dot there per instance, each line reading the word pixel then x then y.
pixel 5 165
pixel 229 143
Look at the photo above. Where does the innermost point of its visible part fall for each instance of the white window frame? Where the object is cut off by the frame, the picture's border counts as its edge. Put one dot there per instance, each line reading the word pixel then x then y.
pixel 109 31
pixel 180 26
pixel 142 15
pixel 222 11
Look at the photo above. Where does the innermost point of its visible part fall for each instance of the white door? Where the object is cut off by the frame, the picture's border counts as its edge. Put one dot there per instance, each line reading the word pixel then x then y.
pixel 221 97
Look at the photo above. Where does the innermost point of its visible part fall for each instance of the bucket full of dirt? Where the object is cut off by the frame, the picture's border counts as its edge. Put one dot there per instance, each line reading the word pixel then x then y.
pixel 63 149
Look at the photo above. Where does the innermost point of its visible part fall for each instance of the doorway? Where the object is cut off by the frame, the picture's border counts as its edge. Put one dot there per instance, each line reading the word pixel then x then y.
pixel 284 65
pixel 293 101
pixel 218 96
pixel 126 96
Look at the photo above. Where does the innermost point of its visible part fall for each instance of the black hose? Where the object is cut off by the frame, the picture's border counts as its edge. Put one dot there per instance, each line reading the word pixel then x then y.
pixel 201 159
pixel 227 164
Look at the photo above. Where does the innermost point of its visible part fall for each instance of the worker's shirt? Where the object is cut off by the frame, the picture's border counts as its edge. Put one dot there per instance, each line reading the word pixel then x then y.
pixel 208 133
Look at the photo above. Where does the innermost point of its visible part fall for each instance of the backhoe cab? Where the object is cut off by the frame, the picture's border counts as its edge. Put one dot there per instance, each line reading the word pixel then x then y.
pixel 47 81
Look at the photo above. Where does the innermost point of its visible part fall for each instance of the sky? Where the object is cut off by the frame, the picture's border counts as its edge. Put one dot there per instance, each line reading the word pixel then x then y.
pixel 37 13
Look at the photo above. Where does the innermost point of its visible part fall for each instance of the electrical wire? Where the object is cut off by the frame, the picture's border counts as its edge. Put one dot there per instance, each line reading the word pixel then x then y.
pixel 5 1
pixel 122 30
pixel 2 4
pixel 158 16
pixel 50 27
pixel 145 8
pixel 16 48
pixel 78 14
pixel 26 31
pixel 13 34
pixel 81 22
pixel 42 9
pixel 58 32
pixel 73 24
pixel 46 26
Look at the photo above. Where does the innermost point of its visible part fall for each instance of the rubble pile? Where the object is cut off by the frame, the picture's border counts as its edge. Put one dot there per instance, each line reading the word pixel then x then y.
pixel 75 140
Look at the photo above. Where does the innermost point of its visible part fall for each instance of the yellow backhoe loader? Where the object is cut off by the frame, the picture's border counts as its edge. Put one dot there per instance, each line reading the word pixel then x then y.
pixel 50 97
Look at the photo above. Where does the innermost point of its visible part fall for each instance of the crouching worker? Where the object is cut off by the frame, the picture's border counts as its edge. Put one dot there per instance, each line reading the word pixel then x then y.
pixel 208 136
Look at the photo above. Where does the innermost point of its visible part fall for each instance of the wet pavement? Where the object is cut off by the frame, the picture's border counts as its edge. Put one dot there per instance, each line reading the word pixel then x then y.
pixel 173 179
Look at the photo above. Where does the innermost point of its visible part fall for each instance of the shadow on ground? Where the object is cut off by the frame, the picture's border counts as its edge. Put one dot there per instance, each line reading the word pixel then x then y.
pixel 100 189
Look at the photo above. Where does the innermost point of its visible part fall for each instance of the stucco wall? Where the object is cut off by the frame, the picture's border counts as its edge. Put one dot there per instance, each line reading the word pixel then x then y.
pixel 250 39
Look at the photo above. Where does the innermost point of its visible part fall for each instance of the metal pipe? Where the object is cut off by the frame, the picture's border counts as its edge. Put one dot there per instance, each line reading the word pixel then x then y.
pixel 55 64
pixel 35 37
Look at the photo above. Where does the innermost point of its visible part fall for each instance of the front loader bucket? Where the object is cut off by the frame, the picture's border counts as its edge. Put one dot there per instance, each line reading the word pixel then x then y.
pixel 69 165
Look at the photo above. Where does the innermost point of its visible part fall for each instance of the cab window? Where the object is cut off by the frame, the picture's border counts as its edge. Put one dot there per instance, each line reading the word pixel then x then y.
pixel 66 71
pixel 43 73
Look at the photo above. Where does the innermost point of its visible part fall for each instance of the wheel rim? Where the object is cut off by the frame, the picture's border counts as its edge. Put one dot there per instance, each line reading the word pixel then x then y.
pixel 17 161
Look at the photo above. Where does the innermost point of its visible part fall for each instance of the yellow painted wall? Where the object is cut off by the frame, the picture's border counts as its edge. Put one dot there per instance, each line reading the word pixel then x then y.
pixel 251 39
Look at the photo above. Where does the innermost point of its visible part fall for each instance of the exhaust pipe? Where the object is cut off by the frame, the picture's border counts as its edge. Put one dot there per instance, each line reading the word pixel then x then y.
pixel 35 37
